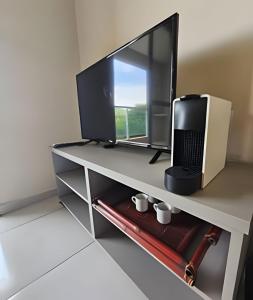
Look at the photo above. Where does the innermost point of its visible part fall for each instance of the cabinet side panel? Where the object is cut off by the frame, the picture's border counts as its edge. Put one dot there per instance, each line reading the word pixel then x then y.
pixel 216 137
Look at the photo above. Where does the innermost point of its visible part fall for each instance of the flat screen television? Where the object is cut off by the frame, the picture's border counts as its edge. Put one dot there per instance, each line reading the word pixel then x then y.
pixel 127 96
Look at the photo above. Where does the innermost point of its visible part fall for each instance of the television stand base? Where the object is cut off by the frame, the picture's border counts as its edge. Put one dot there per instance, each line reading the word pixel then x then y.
pixel 157 155
pixel 109 145
pixel 79 143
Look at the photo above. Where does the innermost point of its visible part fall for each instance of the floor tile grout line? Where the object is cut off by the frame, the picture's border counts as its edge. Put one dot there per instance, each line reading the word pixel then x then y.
pixel 55 267
pixel 8 230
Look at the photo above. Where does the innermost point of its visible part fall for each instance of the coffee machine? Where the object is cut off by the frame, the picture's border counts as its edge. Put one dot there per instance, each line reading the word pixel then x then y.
pixel 200 126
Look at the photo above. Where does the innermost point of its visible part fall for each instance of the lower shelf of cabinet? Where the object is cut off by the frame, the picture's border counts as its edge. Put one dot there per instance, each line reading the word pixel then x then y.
pixel 154 278
pixel 78 208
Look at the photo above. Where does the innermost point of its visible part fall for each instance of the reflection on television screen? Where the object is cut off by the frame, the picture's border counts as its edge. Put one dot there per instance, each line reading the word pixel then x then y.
pixel 130 102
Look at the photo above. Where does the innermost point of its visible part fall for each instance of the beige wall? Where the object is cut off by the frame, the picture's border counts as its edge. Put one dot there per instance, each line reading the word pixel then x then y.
pixel 39 59
pixel 96 30
pixel 38 62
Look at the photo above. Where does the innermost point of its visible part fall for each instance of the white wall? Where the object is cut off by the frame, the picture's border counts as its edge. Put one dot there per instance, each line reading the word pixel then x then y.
pixel 215 49
pixel 38 62
pixel 96 30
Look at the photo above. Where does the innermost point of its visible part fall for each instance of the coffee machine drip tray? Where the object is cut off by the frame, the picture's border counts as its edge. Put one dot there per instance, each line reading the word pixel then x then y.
pixel 183 180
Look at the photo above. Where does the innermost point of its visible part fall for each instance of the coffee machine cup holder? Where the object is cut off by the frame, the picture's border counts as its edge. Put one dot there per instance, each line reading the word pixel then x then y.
pixel 183 180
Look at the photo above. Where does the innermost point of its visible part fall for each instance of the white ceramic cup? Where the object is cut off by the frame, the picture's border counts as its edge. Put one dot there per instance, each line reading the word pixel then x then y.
pixel 163 212
pixel 152 199
pixel 175 210
pixel 141 202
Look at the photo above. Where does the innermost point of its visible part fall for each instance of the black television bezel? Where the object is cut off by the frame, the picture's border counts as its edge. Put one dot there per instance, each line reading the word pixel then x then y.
pixel 174 54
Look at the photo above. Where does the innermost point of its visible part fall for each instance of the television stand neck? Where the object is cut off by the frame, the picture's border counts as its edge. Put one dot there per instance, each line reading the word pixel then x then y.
pixel 157 155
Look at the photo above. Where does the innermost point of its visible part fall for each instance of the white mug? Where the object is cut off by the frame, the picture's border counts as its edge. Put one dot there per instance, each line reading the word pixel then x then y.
pixel 175 210
pixel 141 202
pixel 152 199
pixel 163 212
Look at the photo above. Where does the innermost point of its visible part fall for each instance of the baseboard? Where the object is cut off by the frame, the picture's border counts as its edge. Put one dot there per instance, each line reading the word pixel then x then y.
pixel 16 204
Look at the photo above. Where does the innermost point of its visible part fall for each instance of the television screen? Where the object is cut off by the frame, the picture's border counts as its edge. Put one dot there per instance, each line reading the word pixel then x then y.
pixel 127 96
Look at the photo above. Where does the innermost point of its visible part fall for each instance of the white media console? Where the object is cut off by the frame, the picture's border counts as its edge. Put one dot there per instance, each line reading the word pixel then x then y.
pixel 84 171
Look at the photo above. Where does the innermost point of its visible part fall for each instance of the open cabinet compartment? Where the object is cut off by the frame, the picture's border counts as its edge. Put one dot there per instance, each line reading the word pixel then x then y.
pixel 71 174
pixel 209 281
pixel 180 245
pixel 72 189
pixel 75 205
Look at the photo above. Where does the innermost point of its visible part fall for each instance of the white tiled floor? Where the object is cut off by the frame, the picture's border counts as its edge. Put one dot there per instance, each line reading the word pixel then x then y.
pixel 45 254
pixel 90 274
pixel 29 213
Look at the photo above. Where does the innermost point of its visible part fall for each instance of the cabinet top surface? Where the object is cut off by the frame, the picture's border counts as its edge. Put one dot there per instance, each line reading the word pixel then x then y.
pixel 227 201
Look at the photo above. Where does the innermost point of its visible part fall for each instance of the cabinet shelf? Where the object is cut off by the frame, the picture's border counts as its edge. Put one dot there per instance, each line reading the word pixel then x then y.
pixel 211 272
pixel 75 180
pixel 78 208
